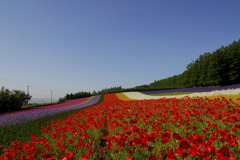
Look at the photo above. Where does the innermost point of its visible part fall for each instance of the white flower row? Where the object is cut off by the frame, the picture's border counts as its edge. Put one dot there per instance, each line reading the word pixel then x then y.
pixel 141 96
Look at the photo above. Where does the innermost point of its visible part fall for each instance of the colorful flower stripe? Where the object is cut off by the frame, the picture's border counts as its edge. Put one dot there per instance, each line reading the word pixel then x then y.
pixel 123 97
pixel 12 119
pixel 65 104
pixel 167 128
pixel 233 98
pixel 196 89
pixel 141 96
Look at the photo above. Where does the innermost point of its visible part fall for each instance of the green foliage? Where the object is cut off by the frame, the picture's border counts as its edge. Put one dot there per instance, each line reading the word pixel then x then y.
pixel 38 105
pixel 222 67
pixel 12 100
pixel 75 96
pixel 110 90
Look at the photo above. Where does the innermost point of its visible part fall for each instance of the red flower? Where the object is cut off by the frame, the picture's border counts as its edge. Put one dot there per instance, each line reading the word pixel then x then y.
pixel 49 147
pixel 70 141
pixel 130 150
pixel 171 156
pixel 214 125
pixel 31 157
pixel 40 151
pixel 101 150
pixel 194 127
pixel 193 150
pixel 159 150
pixel 165 137
pixel 63 148
pixel 224 154
pixel 120 144
pixel 84 156
pixel 90 153
pixel 184 144
pixel 116 151
pixel 231 140
pixel 176 136
pixel 47 156
pixel 129 157
pixel 235 127
pixel 179 125
pixel 150 149
pixel 70 155
pixel 184 154
pixel 152 158
pixel 63 137
pixel 58 143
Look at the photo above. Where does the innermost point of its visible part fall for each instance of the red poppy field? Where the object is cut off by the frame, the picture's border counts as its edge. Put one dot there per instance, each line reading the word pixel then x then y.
pixel 186 128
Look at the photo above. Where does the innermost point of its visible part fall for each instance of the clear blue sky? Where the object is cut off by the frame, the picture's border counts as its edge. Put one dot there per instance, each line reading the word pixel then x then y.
pixel 76 45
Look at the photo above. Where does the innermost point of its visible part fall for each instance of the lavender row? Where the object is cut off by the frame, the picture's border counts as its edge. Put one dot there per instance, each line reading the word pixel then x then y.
pixel 196 89
pixel 13 119
pixel 67 103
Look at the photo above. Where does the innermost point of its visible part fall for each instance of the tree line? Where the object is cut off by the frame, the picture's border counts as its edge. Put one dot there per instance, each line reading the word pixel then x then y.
pixel 222 67
pixel 82 94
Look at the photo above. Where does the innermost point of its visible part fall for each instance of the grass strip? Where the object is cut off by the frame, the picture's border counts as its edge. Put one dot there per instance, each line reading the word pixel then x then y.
pixel 22 132
pixel 38 105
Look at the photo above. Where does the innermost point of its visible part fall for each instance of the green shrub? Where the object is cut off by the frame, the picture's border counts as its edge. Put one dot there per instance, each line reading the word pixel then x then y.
pixel 12 100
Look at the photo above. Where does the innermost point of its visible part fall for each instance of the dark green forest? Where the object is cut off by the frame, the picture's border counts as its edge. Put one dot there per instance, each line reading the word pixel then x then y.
pixel 222 67
pixel 75 96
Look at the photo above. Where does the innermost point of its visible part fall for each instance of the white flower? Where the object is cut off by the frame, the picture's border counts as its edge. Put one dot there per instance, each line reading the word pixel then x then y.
pixel 141 96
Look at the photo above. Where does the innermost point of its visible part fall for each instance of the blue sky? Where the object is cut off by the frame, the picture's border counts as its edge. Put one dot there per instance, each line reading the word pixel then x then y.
pixel 71 46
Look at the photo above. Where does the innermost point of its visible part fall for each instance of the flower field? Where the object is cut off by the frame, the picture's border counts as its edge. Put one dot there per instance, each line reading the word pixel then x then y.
pixel 217 93
pixel 124 128
pixel 8 119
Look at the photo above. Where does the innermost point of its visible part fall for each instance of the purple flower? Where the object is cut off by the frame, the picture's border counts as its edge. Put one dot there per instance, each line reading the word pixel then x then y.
pixel 197 89
pixel 33 114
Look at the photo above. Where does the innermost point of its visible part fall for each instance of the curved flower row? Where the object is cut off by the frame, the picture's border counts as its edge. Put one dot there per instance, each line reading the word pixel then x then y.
pixel 33 114
pixel 141 96
pixel 64 104
pixel 194 89
pixel 123 97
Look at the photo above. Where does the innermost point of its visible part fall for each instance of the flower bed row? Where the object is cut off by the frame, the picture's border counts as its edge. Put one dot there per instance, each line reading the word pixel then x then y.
pixel 219 93
pixel 123 97
pixel 194 89
pixel 38 112
pixel 64 104
pixel 167 128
